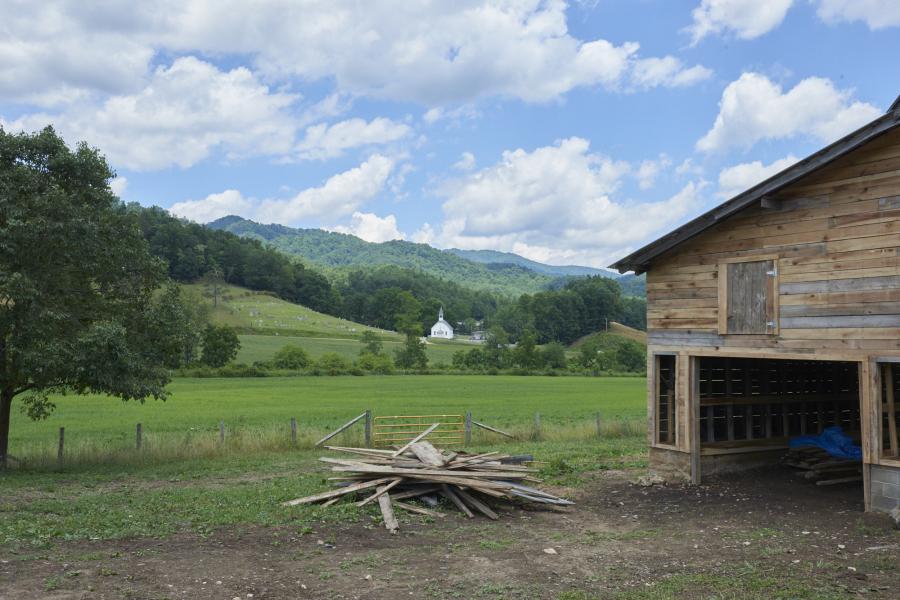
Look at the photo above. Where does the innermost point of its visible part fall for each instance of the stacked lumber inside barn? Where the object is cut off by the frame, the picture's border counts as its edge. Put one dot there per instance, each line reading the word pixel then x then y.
pixel 472 483
pixel 819 466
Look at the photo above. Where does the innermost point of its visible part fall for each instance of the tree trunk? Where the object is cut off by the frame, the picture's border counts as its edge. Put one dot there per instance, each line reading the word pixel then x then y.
pixel 6 398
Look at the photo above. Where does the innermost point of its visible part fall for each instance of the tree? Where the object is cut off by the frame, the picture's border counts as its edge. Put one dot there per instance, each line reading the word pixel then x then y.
pixel 372 344
pixel 495 346
pixel 554 355
pixel 412 354
pixel 77 306
pixel 220 345
pixel 290 357
pixel 525 353
pixel 333 363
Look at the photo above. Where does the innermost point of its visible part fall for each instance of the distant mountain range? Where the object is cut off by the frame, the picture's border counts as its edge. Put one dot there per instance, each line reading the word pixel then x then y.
pixel 499 272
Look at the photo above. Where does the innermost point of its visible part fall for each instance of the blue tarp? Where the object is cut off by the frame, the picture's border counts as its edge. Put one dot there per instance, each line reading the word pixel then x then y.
pixel 833 440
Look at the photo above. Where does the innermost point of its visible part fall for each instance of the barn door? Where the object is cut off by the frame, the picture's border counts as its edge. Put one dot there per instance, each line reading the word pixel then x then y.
pixel 748 296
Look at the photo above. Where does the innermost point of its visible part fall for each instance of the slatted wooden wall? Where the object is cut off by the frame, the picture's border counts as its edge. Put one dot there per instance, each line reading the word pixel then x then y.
pixel 835 235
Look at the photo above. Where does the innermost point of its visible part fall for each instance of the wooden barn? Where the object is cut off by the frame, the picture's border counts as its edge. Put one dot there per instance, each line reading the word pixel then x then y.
pixel 777 314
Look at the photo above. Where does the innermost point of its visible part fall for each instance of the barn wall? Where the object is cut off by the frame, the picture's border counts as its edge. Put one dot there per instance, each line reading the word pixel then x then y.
pixel 835 235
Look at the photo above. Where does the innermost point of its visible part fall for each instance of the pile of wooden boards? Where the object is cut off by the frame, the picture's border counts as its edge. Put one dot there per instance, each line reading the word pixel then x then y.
pixel 470 482
pixel 820 466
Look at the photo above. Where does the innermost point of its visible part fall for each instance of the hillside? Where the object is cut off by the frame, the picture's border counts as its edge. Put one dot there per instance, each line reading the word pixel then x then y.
pixel 615 329
pixel 339 253
pixel 254 312
pixel 493 257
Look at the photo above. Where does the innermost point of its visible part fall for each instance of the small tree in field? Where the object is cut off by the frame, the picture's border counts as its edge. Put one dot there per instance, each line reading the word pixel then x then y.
pixel 291 357
pixel 220 345
pixel 372 343
pixel 77 306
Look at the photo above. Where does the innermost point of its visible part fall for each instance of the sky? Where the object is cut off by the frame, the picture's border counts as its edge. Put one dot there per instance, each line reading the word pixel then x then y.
pixel 569 133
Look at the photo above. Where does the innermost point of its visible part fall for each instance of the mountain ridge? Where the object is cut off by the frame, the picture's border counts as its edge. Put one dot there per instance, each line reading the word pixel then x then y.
pixel 339 253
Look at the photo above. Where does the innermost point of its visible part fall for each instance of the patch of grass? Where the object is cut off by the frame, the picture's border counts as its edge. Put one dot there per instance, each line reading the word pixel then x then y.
pixel 257 414
pixel 494 544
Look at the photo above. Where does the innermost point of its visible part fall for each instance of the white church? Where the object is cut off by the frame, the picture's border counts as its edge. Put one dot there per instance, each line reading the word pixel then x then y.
pixel 442 328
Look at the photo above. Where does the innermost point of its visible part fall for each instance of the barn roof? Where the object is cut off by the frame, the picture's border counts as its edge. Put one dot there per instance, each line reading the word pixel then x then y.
pixel 639 261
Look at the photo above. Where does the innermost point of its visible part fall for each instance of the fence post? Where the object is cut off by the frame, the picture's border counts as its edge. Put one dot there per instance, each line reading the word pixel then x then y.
pixel 137 437
pixel 537 426
pixel 221 432
pixel 599 433
pixel 59 450
pixel 468 439
pixel 294 431
pixel 368 428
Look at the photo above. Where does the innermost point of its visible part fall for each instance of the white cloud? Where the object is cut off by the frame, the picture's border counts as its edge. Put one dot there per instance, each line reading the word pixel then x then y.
pixel 649 170
pixel 738 178
pixel 666 72
pixel 466 162
pixel 432 53
pixel 754 108
pixel 424 235
pixel 328 141
pixel 372 228
pixel 118 185
pixel 877 14
pixel 341 195
pixel 214 206
pixel 185 112
pixel 555 204
pixel 746 19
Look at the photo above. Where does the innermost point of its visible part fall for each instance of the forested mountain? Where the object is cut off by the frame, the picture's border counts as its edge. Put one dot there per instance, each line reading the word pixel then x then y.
pixel 493 257
pixel 500 273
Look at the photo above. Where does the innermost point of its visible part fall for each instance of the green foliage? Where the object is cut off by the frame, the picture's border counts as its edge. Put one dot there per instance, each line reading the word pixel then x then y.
pixel 612 353
pixel 291 357
pixel 407 314
pixel 333 364
pixel 412 354
pixel 379 364
pixel 194 252
pixel 220 345
pixel 343 254
pixel 77 308
pixel 554 355
pixel 372 343
pixel 526 354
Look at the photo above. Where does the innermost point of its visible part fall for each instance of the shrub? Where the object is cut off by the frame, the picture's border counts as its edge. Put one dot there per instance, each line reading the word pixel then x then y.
pixel 554 355
pixel 332 363
pixel 380 364
pixel 291 357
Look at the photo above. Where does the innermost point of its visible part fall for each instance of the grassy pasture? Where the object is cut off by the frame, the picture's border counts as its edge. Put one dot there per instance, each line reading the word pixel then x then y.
pixel 264 347
pixel 257 412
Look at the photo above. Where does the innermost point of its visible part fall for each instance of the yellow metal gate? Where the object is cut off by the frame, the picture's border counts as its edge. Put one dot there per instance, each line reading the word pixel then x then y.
pixel 397 430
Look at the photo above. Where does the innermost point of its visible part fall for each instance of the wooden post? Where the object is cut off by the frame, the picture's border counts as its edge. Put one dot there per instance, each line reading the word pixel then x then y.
pixel 537 426
pixel 293 431
pixel 368 428
pixel 468 439
pixel 59 450
pixel 597 419
pixel 221 432
pixel 137 437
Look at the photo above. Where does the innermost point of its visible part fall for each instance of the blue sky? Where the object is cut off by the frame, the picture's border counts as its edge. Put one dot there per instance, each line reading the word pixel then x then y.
pixel 569 133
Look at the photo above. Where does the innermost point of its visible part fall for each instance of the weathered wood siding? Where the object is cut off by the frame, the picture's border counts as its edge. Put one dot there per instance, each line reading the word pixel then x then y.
pixel 835 235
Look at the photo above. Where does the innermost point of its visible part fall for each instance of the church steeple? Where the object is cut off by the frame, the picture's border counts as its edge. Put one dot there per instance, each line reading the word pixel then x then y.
pixel 441 314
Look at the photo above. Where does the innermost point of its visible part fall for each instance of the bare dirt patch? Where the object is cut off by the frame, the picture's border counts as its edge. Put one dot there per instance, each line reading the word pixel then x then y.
pixel 753 536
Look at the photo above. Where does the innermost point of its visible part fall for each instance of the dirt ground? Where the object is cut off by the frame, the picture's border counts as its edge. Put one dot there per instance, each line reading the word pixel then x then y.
pixel 737 537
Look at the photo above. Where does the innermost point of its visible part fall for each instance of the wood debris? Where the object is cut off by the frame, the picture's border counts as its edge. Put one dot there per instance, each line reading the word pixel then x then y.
pixel 419 471
pixel 821 467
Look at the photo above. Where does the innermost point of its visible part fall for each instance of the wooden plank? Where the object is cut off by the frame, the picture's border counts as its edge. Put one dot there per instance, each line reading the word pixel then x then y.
pixel 416 439
pixel 428 454
pixel 495 430
pixel 840 310
pixel 383 489
pixel 339 492
pixel 450 495
pixel 842 321
pixel 477 504
pixel 419 510
pixel 387 511
pixel 888 377
pixel 340 429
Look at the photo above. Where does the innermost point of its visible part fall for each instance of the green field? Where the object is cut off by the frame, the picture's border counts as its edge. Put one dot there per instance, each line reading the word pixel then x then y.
pixel 248 310
pixel 264 347
pixel 257 411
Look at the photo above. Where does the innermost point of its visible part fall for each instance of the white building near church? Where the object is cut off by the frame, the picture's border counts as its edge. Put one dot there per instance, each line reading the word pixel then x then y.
pixel 442 328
